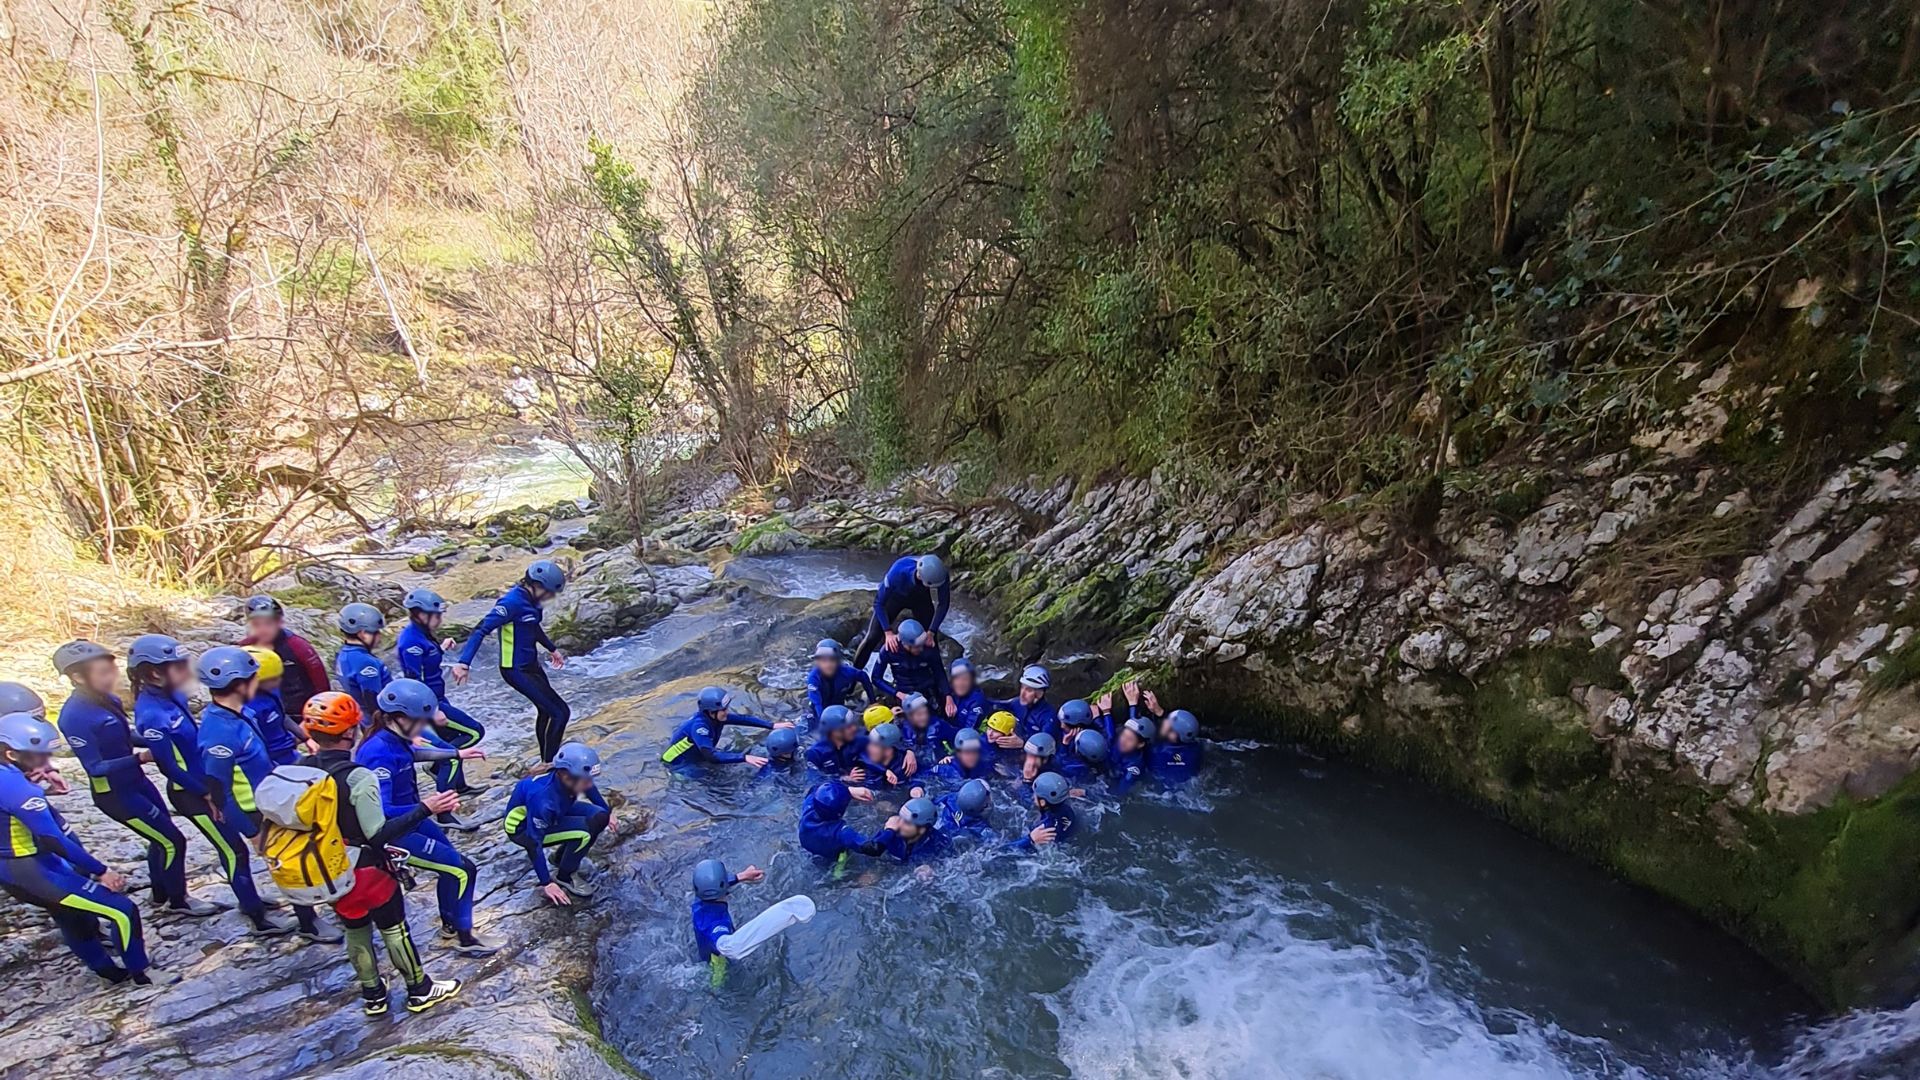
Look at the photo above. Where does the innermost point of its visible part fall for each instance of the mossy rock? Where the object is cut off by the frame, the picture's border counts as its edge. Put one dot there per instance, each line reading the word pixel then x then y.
pixel 424 562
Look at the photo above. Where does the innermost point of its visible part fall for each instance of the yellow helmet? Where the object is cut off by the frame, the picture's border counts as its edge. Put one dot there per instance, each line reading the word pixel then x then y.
pixel 269 661
pixel 1001 723
pixel 876 715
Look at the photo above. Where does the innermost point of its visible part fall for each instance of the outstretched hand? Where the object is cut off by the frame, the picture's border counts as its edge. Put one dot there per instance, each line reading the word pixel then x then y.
pixel 1132 690
pixel 751 874
pixel 552 891
pixel 459 673
pixel 1041 834
pixel 756 760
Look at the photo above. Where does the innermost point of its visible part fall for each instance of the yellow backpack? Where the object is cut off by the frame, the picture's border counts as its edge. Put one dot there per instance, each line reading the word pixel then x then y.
pixel 305 850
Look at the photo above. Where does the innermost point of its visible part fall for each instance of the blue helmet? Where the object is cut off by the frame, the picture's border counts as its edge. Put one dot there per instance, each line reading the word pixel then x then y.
pixel 1050 788
pixel 1040 744
pixel 914 701
pixel 28 734
pixel 577 759
pixel 1035 677
pixel 410 698
pixel 825 648
pixel 887 735
pixel 425 600
pixel 919 813
pixel 360 619
pixel 932 570
pixel 547 574
pixel 713 699
pixel 833 797
pixel 74 653
pixel 783 742
pixel 221 667
pixel 973 797
pixel 18 697
pixel 1076 713
pixel 1091 746
pixel 264 605
pixel 711 880
pixel 154 649
pixel 910 631
pixel 835 716
pixel 967 739
pixel 959 665
pixel 1141 727
pixel 1185 724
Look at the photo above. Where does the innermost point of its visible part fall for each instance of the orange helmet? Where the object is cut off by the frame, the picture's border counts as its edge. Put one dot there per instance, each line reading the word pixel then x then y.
pixel 331 713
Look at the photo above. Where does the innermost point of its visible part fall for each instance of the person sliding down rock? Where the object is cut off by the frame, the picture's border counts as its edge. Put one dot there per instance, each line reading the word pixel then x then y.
pixel 561 809
pixel 516 615
pixel 914 584
pixel 713 930
pixel 693 744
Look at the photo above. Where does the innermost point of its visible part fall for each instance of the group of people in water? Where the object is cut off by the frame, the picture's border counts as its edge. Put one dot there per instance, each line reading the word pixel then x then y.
pixel 325 784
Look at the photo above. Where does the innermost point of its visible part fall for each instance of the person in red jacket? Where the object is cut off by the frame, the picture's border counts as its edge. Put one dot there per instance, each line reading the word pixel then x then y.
pixel 305 673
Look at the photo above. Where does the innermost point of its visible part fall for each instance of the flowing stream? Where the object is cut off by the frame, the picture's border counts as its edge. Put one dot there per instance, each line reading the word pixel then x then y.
pixel 1288 917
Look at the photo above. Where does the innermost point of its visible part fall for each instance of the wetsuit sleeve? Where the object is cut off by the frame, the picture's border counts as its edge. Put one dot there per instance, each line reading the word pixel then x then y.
pixel 815 700
pixel 533 829
pixel 366 793
pixel 749 721
pixel 87 749
pixel 412 662
pixel 496 617
pixel 940 606
pixel 703 745
pixel 880 602
pixel 293 727
pixel 166 754
pixel 869 846
pixel 385 784
pixel 434 754
pixel 877 680
pixel 593 796
pixel 865 680
pixel 540 635
pixel 39 821
pixel 309 660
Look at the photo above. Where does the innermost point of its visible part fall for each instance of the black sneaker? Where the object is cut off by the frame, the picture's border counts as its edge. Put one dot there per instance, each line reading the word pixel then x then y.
pixel 457 823
pixel 194 908
pixel 269 924
pixel 467 790
pixel 373 1000
pixel 323 933
pixel 475 945
pixel 155 977
pixel 435 992
pixel 581 890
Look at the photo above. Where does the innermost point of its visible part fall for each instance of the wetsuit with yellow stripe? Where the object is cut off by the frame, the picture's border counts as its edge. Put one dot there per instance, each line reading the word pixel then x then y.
pixel 44 865
pixel 165 727
pixel 233 755
pixel 542 813
pixel 101 735
pixel 393 760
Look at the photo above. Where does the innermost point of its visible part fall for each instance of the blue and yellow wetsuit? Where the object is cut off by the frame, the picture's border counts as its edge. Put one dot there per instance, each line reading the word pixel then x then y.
pixel 421 658
pixel 542 813
pixel 391 760
pixel 970 709
pixel 44 865
pixel 692 744
pixel 712 920
pixel 101 735
pixel 168 731
pixel 824 831
pixel 362 675
pixel 517 617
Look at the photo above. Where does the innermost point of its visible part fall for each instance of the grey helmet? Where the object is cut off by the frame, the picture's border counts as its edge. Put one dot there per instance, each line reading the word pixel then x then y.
pixel 834 717
pixel 910 631
pixel 410 698
pixel 1141 727
pixel 577 759
pixel 425 600
pixel 974 797
pixel 919 813
pixel 1040 744
pixel 967 739
pixel 360 619
pixel 960 664
pixel 27 734
pixel 1185 724
pixel 914 701
pixel 1050 788
pixel 1091 747
pixel 154 649
pixel 222 666
pixel 711 880
pixel 547 574
pixel 782 743
pixel 825 648
pixel 1076 713
pixel 713 699
pixel 74 653
pixel 887 735
pixel 263 605
pixel 1035 677
pixel 20 698
pixel 932 570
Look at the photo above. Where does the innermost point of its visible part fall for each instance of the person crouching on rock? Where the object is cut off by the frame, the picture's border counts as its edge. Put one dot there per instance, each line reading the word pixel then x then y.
pixel 376 900
pixel 517 616
pixel 561 809
pixel 913 583
pixel 693 745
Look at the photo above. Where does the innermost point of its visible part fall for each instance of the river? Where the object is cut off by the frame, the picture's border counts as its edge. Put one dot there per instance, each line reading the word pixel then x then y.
pixel 1288 917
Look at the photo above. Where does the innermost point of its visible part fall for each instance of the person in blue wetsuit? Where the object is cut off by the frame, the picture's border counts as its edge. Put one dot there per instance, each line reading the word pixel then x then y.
pixel 929 738
pixel 1177 756
pixel 564 810
pixel 916 832
pixel 516 615
pixel 44 865
pixel 1079 715
pixel 783 755
pixel 168 731
pixel 98 729
pixel 1131 753
pixel 824 832
pixel 421 651
pixel 1053 820
pixel 278 732
pixel 402 712
pixel 915 585
pixel 841 745
pixel 1030 708
pixel 362 674
pixel 833 681
pixel 234 757
pixel 1039 751
pixel 886 765
pixel 963 813
pixel 693 742
pixel 914 667
pixel 967 705
pixel 712 920
pixel 970 760
pixel 1087 759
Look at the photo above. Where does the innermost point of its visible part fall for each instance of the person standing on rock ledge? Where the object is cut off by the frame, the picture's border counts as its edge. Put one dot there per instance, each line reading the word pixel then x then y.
pixel 305 673
pixel 517 616
pixel 420 656
pixel 913 585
